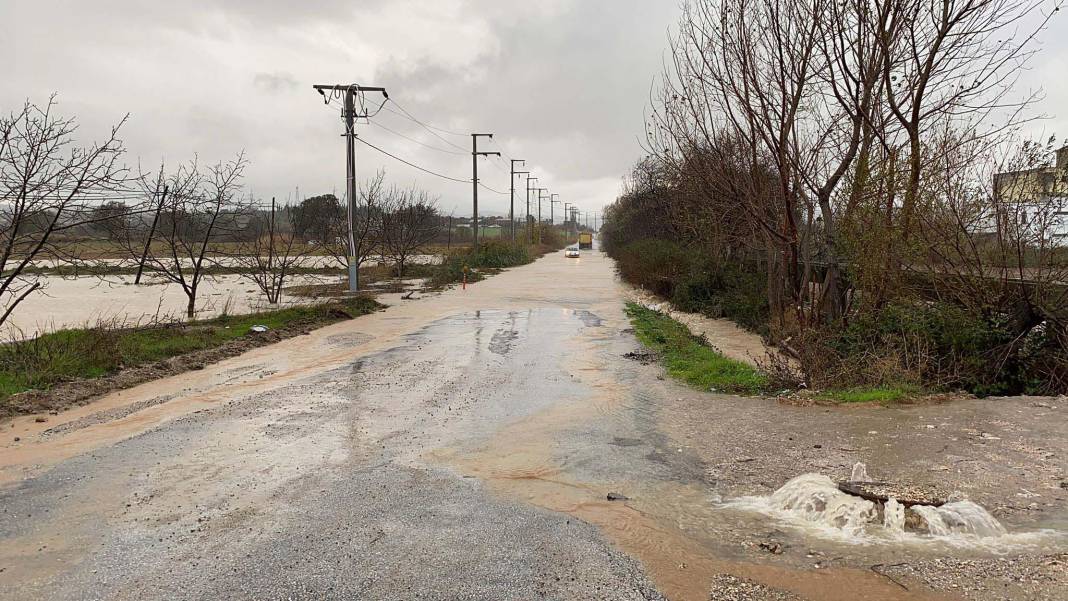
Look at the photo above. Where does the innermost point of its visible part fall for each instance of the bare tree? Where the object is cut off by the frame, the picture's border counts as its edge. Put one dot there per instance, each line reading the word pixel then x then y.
pixel 841 105
pixel 364 239
pixel 49 186
pixel 200 211
pixel 409 222
pixel 268 256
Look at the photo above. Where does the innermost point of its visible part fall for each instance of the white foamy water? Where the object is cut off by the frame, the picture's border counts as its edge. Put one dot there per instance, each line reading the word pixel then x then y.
pixel 894 516
pixel 860 473
pixel 959 517
pixel 813 504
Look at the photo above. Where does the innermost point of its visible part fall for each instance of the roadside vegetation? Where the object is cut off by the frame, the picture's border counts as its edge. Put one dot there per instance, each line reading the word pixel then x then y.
pixel 691 359
pixel 492 256
pixel 62 356
pixel 817 174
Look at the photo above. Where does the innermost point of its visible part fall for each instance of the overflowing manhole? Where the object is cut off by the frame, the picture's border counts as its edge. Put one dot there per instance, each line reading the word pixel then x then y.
pixel 861 508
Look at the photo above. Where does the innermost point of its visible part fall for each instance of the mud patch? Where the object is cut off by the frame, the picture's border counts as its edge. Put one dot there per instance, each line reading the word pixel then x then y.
pixel 502 341
pixel 590 320
pixel 351 339
pixel 101 417
pixel 643 357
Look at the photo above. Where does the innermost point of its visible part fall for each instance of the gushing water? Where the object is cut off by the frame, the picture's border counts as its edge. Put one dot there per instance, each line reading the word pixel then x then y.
pixel 894 516
pixel 860 473
pixel 959 517
pixel 816 498
pixel 814 503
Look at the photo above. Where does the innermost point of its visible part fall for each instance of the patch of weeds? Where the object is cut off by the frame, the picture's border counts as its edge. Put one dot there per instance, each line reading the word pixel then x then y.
pixel 878 394
pixel 689 358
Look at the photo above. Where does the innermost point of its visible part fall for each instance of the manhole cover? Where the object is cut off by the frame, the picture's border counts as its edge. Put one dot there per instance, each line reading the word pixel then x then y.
pixel 907 495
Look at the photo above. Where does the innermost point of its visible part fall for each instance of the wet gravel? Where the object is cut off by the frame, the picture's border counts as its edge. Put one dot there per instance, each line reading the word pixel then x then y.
pixel 726 587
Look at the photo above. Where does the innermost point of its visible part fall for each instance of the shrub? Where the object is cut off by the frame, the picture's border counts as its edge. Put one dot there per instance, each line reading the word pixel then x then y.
pixel 656 265
pixel 491 254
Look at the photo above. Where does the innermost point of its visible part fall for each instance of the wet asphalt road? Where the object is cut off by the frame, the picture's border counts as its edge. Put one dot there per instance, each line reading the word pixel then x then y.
pixel 320 488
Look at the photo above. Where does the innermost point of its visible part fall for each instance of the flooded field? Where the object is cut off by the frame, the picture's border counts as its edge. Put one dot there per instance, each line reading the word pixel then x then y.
pixel 81 301
pixel 66 302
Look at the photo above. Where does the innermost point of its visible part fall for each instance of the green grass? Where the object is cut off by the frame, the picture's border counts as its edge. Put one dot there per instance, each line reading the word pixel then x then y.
pixel 687 358
pixel 65 355
pixel 879 394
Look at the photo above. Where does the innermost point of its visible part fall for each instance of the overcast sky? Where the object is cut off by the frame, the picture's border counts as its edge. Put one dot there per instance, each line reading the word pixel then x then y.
pixel 562 83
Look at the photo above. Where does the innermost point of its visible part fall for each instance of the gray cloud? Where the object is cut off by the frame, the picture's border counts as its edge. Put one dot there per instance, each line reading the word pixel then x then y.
pixel 562 83
pixel 274 82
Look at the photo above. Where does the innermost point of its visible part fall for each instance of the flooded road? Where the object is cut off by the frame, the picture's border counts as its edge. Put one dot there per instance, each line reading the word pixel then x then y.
pixel 465 445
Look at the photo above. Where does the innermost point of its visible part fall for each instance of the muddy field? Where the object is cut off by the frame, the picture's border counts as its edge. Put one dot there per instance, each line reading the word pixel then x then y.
pixel 498 443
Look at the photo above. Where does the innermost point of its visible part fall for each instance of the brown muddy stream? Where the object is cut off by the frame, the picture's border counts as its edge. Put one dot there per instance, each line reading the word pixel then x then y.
pixel 609 430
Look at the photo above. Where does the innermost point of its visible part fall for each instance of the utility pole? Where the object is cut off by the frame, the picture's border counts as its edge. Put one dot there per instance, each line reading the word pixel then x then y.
pixel 540 190
pixel 474 182
pixel 567 226
pixel 530 230
pixel 552 214
pixel 348 113
pixel 511 196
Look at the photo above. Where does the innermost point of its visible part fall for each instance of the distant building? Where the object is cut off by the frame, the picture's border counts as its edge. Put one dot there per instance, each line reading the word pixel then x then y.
pixel 1038 196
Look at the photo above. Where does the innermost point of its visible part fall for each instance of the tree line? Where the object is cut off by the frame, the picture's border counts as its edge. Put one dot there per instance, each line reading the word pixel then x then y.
pixel 824 172
pixel 177 222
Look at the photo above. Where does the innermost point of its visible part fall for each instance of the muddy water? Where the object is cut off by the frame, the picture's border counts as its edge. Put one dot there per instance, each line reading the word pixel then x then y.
pixel 569 456
pixel 520 383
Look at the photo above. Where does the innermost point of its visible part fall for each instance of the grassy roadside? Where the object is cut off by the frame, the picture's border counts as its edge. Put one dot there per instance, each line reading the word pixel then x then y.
pixel 89 353
pixel 878 394
pixel 689 359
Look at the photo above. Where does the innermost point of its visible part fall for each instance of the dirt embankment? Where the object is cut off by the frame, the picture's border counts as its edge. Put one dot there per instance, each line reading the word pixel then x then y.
pixel 79 392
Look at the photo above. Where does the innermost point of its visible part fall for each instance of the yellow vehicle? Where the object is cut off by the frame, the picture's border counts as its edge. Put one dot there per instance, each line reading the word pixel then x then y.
pixel 585 240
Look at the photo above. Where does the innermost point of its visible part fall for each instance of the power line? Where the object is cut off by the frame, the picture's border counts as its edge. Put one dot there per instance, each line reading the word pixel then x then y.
pixel 427 127
pixel 411 164
pixel 492 190
pixel 413 140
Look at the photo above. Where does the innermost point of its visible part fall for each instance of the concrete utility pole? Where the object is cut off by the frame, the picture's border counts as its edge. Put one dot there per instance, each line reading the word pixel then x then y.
pixel 511 197
pixel 552 214
pixel 474 181
pixel 540 190
pixel 530 230
pixel 348 113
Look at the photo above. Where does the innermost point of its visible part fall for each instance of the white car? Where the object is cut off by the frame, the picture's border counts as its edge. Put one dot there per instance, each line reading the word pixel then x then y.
pixel 571 252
